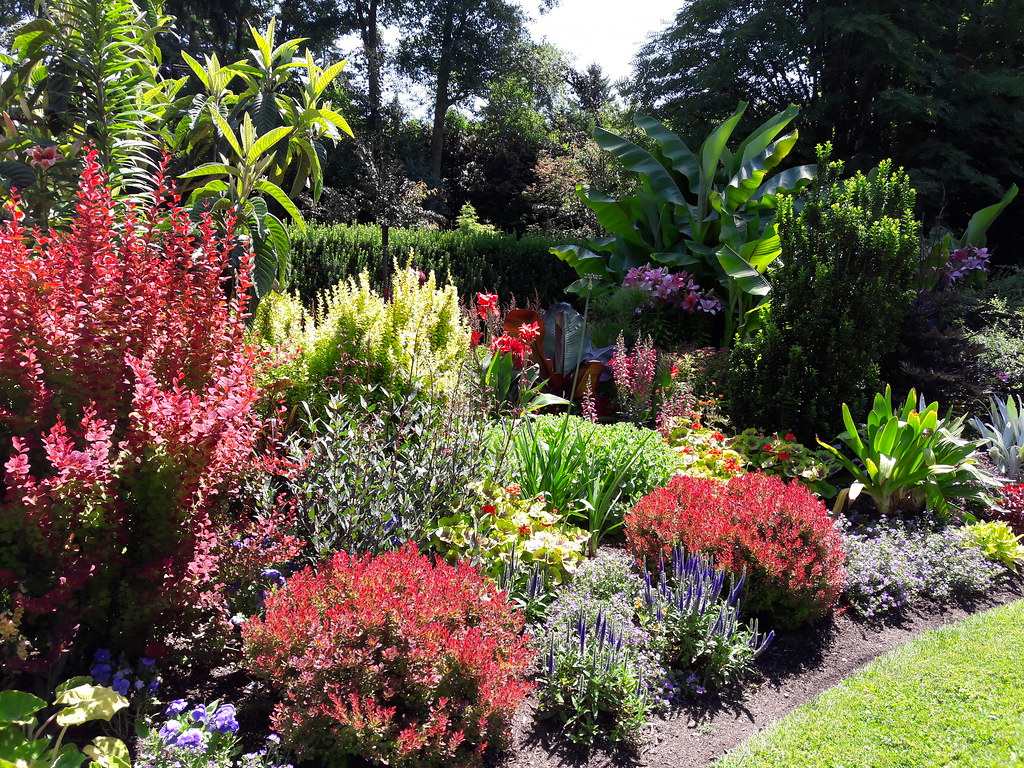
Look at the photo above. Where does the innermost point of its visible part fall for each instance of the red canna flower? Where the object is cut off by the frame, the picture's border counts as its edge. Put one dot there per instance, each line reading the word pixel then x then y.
pixel 528 332
pixel 486 303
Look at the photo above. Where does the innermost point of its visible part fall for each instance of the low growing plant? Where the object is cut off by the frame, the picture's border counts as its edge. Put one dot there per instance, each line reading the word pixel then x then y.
pixel 203 736
pixel 392 658
pixel 893 563
pixel 26 742
pixel 997 542
pixel 785 457
pixel 780 535
pixel 704 452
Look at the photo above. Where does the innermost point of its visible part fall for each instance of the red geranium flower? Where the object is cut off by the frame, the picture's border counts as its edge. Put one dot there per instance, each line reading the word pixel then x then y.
pixel 767 448
pixel 488 509
pixel 524 530
pixel 784 456
pixel 791 436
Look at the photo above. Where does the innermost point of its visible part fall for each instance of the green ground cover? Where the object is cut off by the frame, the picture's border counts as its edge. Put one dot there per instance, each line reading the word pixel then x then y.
pixel 952 697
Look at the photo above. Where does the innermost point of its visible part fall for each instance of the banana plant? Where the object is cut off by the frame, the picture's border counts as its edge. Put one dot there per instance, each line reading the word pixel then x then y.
pixel 254 139
pixel 710 212
pixel 909 457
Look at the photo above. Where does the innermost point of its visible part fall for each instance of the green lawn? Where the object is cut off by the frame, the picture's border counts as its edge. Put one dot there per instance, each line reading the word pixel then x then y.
pixel 952 697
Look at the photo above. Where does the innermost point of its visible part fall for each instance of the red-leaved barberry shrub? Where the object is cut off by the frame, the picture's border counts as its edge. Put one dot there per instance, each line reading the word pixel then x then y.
pixel 1011 507
pixel 780 535
pixel 126 415
pixel 391 657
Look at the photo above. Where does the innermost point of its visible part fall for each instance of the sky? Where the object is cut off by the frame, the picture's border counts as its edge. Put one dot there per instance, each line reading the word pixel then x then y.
pixel 609 32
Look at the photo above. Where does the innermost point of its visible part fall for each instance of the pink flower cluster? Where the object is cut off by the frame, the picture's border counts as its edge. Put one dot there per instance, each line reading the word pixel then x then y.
pixel 964 260
pixel 676 289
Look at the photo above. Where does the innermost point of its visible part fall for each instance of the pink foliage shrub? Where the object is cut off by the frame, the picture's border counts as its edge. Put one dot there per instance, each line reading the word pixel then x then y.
pixel 126 415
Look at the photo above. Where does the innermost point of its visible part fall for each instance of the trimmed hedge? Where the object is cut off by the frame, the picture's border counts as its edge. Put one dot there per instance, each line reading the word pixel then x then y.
pixel 324 255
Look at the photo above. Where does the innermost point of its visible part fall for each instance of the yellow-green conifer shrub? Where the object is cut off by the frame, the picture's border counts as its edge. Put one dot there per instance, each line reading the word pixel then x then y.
pixel 418 336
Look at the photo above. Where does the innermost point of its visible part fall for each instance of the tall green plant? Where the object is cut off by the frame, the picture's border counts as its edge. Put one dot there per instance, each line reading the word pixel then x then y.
pixel 710 212
pixel 850 258
pixel 254 139
pixel 84 71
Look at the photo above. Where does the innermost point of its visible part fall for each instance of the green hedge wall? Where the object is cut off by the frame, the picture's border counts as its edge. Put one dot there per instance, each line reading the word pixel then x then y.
pixel 494 263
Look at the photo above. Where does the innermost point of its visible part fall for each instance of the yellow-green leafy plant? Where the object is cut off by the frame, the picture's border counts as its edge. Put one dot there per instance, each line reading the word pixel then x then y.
pixel 356 338
pixel 506 526
pixel 26 743
pixel 996 541
pixel 705 452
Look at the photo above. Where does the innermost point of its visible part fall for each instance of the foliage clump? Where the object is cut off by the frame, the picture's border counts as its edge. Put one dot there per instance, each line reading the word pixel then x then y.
pixel 127 394
pixel 850 255
pixel 392 658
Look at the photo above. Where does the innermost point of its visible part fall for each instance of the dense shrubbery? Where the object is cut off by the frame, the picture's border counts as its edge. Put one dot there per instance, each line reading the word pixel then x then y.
pixel 475 262
pixel 851 256
pixel 1011 507
pixel 126 410
pixel 779 534
pixel 391 658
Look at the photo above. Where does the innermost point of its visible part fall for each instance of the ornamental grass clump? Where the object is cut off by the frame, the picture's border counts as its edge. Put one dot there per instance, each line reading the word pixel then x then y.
pixel 780 535
pixel 392 658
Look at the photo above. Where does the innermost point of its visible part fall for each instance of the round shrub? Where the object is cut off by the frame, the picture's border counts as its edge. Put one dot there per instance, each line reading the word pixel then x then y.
pixel 391 658
pixel 781 535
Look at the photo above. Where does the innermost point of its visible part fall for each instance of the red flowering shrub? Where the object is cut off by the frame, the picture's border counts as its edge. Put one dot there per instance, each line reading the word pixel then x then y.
pixel 780 534
pixel 126 413
pixel 393 658
pixel 1011 507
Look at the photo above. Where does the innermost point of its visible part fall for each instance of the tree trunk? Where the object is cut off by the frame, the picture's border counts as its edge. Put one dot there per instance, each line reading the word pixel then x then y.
pixel 441 98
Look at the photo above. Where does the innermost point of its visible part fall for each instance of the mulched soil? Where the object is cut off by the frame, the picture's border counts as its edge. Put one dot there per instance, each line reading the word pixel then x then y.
pixel 791 671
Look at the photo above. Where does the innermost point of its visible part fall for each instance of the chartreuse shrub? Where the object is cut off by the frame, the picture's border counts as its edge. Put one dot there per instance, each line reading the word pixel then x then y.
pixel 779 535
pixel 391 658
pixel 416 336
pixel 949 697
pixel 126 417
pixel 850 251
pixel 475 262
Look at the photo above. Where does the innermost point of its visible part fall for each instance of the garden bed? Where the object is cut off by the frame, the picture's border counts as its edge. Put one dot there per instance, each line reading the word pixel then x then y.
pixel 793 670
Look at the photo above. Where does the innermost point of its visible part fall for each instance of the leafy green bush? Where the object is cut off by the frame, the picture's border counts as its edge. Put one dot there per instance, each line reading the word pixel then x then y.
pixel 374 475
pixel 850 258
pixel 476 262
pixel 416 336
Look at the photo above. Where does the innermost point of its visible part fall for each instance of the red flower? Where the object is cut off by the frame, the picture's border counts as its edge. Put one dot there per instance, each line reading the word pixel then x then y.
pixel 488 509
pixel 513 490
pixel 475 338
pixel 524 530
pixel 783 456
pixel 687 449
pixel 718 436
pixel 486 303
pixel 528 332
pixel 675 371
pixel 43 157
pixel 508 345
pixel 791 436
pixel 767 448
